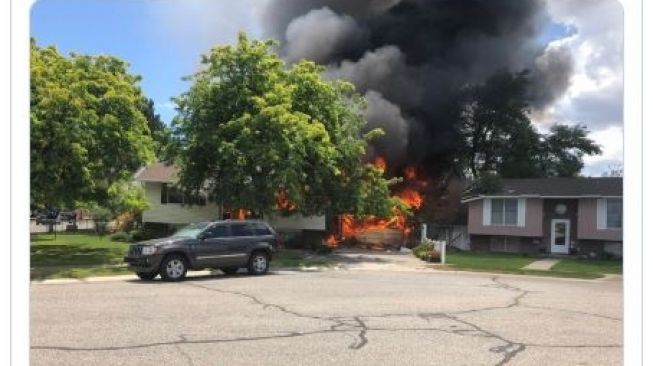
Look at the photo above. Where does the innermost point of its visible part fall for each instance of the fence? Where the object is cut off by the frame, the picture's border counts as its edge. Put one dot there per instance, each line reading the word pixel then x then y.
pixel 61 226
pixel 455 235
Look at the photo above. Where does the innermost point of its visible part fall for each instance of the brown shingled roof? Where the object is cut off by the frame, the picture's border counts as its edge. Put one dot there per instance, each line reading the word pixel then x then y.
pixel 157 172
pixel 557 187
pixel 563 187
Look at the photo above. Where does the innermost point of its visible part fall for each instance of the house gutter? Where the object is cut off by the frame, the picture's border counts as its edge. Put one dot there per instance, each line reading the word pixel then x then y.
pixel 480 197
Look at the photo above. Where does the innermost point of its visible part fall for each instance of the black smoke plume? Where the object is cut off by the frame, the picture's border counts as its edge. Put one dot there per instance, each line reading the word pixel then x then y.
pixel 411 57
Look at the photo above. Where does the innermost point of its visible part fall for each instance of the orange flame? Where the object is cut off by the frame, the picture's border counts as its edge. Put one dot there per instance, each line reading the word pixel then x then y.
pixel 283 203
pixel 410 173
pixel 351 227
pixel 379 163
pixel 240 214
pixel 331 241
pixel 411 197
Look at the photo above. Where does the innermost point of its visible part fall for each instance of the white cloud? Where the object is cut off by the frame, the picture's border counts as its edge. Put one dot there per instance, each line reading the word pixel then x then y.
pixel 166 105
pixel 193 24
pixel 611 141
pixel 595 94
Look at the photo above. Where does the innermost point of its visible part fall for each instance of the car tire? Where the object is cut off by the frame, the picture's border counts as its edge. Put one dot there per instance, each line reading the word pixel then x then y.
pixel 147 276
pixel 173 268
pixel 229 270
pixel 259 262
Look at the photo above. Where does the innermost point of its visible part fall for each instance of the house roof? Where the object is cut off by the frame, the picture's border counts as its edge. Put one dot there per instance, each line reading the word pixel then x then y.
pixel 557 187
pixel 157 172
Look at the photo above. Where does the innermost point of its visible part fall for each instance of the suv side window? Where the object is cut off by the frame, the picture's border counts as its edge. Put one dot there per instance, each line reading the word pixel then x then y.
pixel 217 231
pixel 261 229
pixel 244 229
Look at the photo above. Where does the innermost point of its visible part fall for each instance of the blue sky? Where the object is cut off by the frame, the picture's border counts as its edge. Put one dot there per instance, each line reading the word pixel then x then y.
pixel 159 40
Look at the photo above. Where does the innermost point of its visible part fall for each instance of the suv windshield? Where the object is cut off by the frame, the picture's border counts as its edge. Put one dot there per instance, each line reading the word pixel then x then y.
pixel 191 230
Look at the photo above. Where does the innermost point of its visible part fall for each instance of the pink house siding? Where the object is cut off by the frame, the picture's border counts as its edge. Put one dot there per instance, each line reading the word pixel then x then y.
pixel 587 226
pixel 533 227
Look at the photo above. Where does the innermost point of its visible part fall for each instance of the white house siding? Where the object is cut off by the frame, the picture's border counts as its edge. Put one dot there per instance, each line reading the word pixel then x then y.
pixel 174 213
pixel 296 222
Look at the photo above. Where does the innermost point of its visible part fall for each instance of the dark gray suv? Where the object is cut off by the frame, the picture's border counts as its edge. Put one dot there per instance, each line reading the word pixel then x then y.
pixel 225 245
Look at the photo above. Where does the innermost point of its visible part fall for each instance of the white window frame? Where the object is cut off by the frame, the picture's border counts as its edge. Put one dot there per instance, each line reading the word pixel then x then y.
pixel 521 212
pixel 602 215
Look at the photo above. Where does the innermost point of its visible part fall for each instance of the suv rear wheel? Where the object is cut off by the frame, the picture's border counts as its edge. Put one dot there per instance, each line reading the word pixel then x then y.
pixel 259 263
pixel 147 276
pixel 173 268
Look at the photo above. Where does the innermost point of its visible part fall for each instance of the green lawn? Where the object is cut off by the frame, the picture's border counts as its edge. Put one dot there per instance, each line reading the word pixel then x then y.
pixel 513 263
pixel 85 255
pixel 75 256
pixel 75 249
pixel 591 266
pixel 487 261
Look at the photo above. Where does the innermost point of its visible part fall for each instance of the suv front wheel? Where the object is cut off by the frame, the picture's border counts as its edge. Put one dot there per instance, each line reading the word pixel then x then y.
pixel 173 268
pixel 259 263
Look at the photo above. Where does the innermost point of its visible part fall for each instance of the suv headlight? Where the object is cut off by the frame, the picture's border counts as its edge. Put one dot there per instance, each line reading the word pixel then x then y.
pixel 149 250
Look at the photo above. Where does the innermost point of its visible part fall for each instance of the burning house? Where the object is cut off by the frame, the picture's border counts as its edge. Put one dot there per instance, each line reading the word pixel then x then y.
pixel 170 208
pixel 410 58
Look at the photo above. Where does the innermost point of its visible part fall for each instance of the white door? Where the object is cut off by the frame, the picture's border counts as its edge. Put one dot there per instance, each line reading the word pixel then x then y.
pixel 560 236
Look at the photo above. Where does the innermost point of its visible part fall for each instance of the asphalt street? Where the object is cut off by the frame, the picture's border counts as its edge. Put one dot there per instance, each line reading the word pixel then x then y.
pixel 332 317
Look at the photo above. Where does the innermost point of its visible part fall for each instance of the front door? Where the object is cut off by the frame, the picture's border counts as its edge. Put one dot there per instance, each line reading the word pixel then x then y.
pixel 560 236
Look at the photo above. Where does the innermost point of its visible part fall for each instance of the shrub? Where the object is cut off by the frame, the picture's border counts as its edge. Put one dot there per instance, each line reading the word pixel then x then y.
pixel 125 221
pixel 432 256
pixel 151 231
pixel 121 236
pixel 426 251
pixel 422 249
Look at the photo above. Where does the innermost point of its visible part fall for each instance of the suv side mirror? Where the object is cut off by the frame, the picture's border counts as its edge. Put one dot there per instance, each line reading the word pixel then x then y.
pixel 201 236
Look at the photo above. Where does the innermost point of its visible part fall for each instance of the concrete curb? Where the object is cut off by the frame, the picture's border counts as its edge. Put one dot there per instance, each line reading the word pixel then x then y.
pixel 426 269
pixel 64 281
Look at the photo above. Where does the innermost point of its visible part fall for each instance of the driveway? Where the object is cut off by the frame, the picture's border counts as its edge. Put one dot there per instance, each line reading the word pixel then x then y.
pixel 333 317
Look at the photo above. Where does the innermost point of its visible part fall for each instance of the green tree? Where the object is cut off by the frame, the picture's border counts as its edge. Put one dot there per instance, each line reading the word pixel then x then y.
pixel 563 149
pixel 250 131
pixel 493 119
pixel 497 135
pixel 127 197
pixel 158 130
pixel 87 129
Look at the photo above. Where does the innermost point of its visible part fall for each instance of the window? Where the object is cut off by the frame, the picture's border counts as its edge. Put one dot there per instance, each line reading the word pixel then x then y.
pixel 242 230
pixel 164 193
pixel 198 200
pixel 261 229
pixel 504 212
pixel 191 230
pixel 614 212
pixel 172 194
pixel 217 231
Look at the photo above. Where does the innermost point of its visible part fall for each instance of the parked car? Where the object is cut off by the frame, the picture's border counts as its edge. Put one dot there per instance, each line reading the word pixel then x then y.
pixel 226 245
pixel 69 216
pixel 54 216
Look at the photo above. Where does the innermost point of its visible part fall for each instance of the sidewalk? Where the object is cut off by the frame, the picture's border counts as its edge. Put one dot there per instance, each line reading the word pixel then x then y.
pixel 542 264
